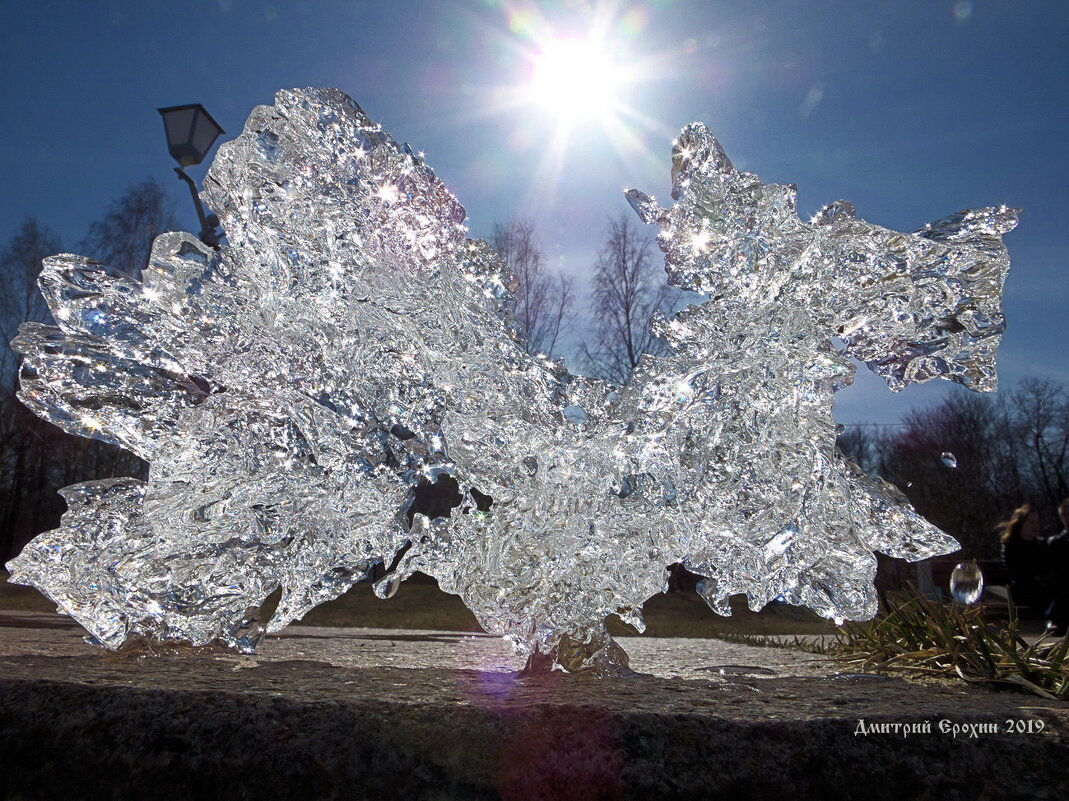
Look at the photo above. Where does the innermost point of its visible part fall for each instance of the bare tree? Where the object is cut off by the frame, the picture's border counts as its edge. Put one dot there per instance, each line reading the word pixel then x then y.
pixel 543 302
pixel 1000 452
pixel 946 460
pixel 20 299
pixel 861 446
pixel 122 238
pixel 36 458
pixel 1042 418
pixel 22 435
pixel 625 296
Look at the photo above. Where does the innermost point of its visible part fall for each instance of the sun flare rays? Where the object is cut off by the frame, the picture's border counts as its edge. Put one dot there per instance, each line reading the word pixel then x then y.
pixel 576 85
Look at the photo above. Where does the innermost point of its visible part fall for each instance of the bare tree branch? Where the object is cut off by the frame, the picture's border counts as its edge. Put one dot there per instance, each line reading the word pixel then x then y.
pixel 122 238
pixel 543 303
pixel 20 299
pixel 37 458
pixel 625 298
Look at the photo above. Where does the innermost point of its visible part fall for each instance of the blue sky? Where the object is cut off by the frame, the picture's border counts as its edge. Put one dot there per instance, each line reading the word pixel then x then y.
pixel 910 109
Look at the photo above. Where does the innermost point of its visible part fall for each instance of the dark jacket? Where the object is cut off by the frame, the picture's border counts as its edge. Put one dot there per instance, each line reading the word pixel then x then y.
pixel 1025 562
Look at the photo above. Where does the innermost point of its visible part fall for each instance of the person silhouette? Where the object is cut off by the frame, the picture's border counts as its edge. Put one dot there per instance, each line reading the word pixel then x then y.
pixel 1023 552
pixel 1057 575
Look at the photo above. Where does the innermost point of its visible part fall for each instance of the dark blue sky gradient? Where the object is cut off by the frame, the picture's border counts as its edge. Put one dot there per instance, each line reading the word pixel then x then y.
pixel 909 109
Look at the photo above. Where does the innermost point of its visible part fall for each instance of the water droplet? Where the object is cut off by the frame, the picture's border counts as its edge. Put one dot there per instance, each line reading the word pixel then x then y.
pixel 386 587
pixel 966 582
pixel 949 459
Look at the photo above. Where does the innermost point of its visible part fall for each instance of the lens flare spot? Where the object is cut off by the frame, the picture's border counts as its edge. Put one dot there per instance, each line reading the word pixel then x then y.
pixel 636 20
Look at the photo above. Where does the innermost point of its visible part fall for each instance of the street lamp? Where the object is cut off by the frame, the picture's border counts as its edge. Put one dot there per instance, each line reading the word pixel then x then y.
pixel 191 132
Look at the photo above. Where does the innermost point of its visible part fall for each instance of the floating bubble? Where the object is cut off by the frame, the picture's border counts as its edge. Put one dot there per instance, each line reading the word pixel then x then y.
pixel 966 582
pixel 949 459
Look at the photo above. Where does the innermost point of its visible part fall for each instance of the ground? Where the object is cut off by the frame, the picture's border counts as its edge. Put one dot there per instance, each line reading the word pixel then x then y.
pixel 342 713
pixel 404 698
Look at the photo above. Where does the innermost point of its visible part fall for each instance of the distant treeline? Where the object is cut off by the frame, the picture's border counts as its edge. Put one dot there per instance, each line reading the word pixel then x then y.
pixel 36 457
pixel 967 462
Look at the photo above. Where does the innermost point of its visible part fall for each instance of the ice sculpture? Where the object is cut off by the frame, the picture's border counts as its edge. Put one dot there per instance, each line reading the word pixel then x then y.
pixel 348 346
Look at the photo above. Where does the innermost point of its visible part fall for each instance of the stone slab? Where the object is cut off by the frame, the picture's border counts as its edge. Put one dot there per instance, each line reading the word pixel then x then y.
pixel 363 713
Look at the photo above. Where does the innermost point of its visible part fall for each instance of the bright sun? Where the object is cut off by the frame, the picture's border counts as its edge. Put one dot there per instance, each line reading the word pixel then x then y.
pixel 575 79
pixel 576 86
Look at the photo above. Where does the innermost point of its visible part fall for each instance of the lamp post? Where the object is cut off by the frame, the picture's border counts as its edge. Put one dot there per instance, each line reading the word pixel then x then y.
pixel 191 132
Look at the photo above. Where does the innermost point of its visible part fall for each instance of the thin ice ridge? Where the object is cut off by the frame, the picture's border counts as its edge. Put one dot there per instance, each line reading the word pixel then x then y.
pixel 349 344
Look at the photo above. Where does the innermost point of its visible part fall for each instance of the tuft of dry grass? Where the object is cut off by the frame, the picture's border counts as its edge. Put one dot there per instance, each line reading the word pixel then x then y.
pixel 919 636
pixel 771 641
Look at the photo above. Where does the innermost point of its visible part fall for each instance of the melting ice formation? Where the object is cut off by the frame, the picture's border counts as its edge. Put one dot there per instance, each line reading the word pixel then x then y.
pixel 349 345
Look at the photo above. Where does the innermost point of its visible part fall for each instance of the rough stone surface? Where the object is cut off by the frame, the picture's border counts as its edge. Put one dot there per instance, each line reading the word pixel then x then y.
pixel 362 713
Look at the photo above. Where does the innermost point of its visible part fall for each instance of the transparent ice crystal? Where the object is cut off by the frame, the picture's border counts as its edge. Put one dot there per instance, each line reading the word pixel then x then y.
pixel 348 347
